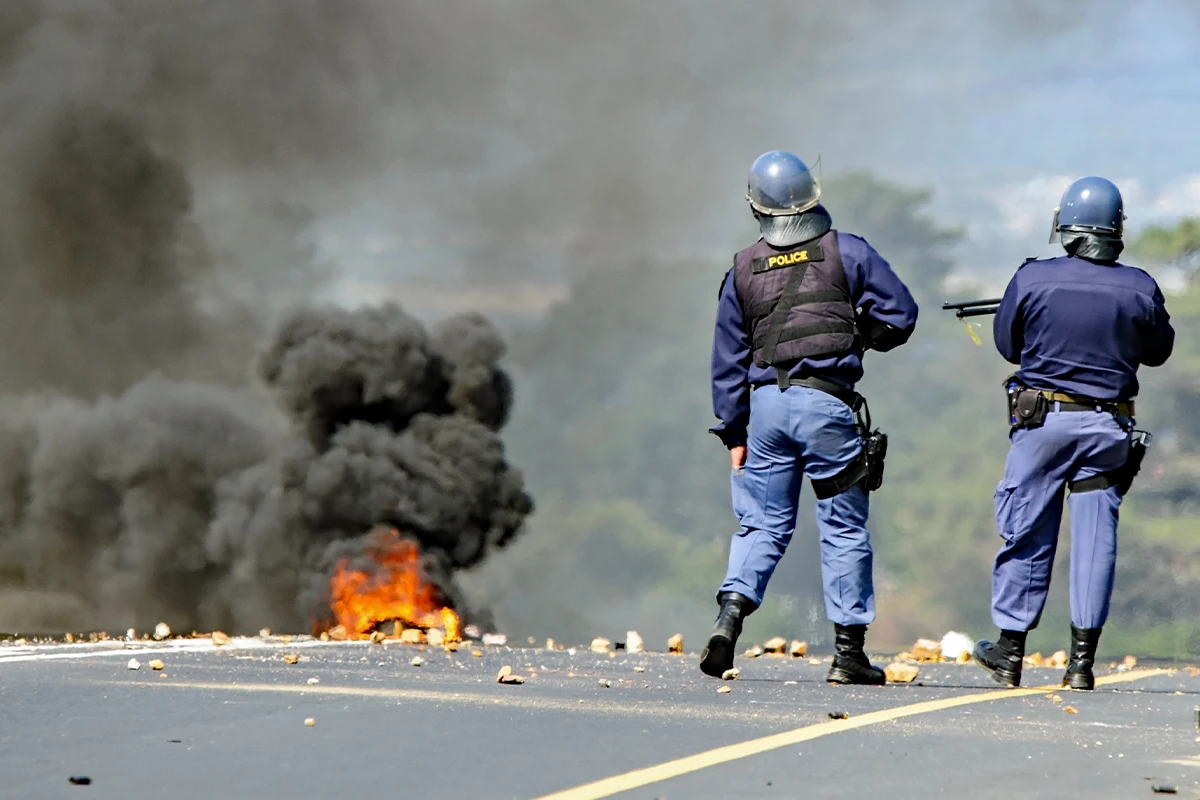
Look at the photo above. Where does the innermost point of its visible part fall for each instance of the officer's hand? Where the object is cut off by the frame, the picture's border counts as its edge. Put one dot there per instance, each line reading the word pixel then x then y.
pixel 737 457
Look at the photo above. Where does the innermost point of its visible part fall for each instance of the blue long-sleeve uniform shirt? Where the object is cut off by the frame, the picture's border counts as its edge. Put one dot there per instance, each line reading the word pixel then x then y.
pixel 1083 328
pixel 874 288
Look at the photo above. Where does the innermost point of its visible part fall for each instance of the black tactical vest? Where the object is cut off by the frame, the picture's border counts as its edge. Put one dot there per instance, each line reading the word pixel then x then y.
pixel 795 301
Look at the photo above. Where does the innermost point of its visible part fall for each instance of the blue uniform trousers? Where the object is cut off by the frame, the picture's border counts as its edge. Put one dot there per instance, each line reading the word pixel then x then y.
pixel 797 432
pixel 1071 445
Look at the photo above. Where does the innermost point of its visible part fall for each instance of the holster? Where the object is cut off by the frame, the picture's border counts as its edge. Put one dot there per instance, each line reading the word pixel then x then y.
pixel 1123 476
pixel 867 469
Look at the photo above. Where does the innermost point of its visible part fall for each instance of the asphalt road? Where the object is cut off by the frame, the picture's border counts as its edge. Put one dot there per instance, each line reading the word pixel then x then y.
pixel 230 722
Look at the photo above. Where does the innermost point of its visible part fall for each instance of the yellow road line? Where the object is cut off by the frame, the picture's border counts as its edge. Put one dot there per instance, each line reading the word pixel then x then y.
pixel 721 755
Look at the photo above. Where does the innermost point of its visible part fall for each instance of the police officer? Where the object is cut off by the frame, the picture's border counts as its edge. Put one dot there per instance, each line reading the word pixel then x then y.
pixel 794 317
pixel 1079 326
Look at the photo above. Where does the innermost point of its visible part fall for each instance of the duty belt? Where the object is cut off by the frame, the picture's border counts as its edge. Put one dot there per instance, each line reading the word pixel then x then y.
pixel 847 396
pixel 1070 402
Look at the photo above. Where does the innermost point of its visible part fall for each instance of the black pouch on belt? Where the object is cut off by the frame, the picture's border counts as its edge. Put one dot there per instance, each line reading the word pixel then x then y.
pixel 1027 408
pixel 874 451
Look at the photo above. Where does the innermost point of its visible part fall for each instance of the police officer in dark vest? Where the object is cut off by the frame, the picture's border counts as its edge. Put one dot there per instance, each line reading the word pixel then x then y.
pixel 1079 326
pixel 795 315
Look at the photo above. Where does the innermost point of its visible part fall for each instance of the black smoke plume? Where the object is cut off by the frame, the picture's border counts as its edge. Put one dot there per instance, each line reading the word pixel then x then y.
pixel 205 508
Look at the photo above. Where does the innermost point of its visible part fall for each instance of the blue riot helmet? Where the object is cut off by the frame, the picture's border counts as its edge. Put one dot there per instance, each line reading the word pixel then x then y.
pixel 781 184
pixel 1090 205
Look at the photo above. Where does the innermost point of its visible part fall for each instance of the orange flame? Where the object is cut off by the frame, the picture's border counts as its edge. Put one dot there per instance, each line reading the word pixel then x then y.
pixel 395 591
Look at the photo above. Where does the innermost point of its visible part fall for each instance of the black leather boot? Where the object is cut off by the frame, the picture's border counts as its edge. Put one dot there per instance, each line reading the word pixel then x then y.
pixel 1084 642
pixel 1003 659
pixel 718 655
pixel 850 664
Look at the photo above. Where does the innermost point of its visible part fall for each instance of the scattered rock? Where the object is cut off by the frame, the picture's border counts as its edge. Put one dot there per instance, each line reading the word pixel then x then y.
pixel 1129 662
pixel 477 653
pixel 639 669
pixel 731 674
pixel 161 631
pixel 264 632
pixel 789 683
pixel 600 645
pixel 156 665
pixel 753 652
pixel 633 642
pixel 1035 660
pixel 291 658
pixel 338 633
pixel 1058 660
pixel 134 664
pixel 675 643
pixel 220 638
pixel 899 672
pixel 963 658
pixel 816 662
pixel 505 675
pixel 377 637
pixel 551 644
pixel 69 638
pixel 494 640
pixel 313 681
pixel 1194 671
pixel 838 715
pixel 1054 698
pixel 79 780
pixel 605 683
pixel 435 636
pixel 1070 709
pixel 310 722
pixel 926 651
pixel 1162 788
pixel 724 690
pixel 324 637
pixel 417 661
pixel 471 632
pixel 412 636
pixel 798 649
pixel 450 647
pixel 776 644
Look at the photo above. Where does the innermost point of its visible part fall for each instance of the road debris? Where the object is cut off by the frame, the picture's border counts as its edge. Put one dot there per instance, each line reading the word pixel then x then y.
pixel 505 675
pixel 605 683
pixel 79 780
pixel 639 669
pixel 412 636
pixel 417 661
pixel 753 652
pixel 310 722
pixel 1053 698
pixel 156 665
pixel 477 654
pixel 731 674
pixel 1128 663
pixel 377 637
pixel 1058 660
pixel 291 658
pixel 435 637
pixel 1034 660
pixel 450 647
pixel 264 632
pixel 313 681
pixel 161 631
pixel 838 715
pixel 634 642
pixel 220 638
pixel 899 672
pixel 600 645
pixel 675 644
pixel 551 644
pixel 775 645
pixel 798 649
pixel 134 664
pixel 1070 709
pixel 724 690
pixel 494 640
pixel 1194 671
pixel 955 645
pixel 324 637
pixel 338 633
pixel 1162 788
pixel 926 651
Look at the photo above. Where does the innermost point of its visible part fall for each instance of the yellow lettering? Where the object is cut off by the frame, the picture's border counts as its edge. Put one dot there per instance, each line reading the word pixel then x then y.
pixel 786 259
